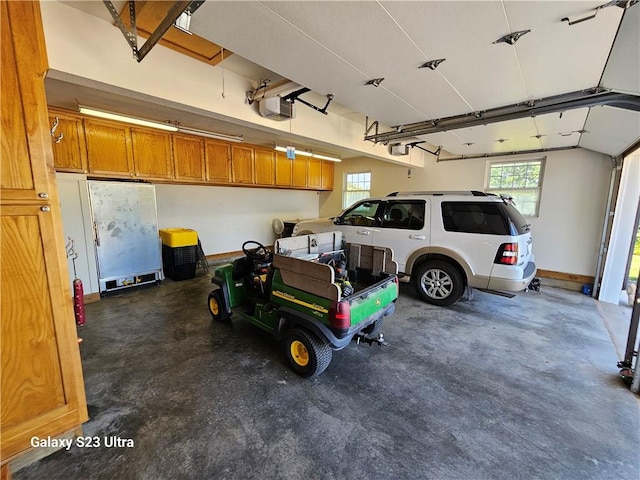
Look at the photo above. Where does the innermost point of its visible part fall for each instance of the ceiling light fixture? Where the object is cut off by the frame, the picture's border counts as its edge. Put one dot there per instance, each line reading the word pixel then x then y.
pixel 126 118
pixel 169 127
pixel 432 64
pixel 213 135
pixel 306 153
pixel 512 38
pixel 375 82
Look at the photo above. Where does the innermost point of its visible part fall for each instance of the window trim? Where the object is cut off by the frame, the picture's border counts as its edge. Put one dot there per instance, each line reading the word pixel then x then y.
pixel 487 180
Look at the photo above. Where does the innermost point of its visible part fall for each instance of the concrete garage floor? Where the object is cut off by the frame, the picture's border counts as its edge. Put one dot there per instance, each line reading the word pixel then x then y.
pixel 493 388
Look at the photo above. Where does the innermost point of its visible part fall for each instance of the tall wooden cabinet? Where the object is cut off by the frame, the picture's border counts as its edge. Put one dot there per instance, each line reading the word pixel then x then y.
pixel 42 390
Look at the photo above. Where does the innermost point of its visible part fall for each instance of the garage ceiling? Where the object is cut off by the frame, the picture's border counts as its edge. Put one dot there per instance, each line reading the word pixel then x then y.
pixel 335 47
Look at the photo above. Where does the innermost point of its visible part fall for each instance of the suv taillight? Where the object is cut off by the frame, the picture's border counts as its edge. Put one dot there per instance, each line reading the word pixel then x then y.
pixel 340 316
pixel 507 254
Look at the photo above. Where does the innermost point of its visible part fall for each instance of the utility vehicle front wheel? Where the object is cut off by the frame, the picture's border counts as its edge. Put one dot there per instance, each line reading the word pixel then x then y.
pixel 438 282
pixel 216 306
pixel 306 353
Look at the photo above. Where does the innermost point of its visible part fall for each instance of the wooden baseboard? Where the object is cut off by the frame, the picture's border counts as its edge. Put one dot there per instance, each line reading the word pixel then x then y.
pixel 92 298
pixel 220 256
pixel 5 472
pixel 567 277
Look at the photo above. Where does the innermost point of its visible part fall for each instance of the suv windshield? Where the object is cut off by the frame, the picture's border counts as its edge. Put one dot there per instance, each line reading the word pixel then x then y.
pixel 362 214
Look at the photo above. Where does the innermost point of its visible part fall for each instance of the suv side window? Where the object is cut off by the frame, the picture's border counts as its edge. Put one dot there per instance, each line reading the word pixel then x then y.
pixel 362 214
pixel 474 217
pixel 408 215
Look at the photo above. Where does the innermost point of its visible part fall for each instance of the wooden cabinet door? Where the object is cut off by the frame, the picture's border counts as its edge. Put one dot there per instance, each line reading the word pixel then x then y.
pixel 42 390
pixel 300 172
pixel 23 64
pixel 218 161
pixel 151 153
pixel 264 166
pixel 315 173
pixel 188 158
pixel 284 170
pixel 108 148
pixel 327 175
pixel 242 164
pixel 69 152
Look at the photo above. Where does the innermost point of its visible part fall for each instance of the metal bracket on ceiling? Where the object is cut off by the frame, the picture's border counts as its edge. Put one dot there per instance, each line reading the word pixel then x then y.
pixel 131 36
pixel 295 96
pixel 530 108
pixel 417 145
pixel 368 128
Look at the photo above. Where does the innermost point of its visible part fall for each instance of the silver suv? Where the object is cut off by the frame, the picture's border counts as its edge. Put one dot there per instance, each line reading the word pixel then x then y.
pixel 446 241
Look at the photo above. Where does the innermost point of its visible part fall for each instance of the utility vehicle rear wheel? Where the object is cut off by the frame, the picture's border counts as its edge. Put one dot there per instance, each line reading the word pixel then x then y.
pixel 306 353
pixel 216 306
pixel 438 282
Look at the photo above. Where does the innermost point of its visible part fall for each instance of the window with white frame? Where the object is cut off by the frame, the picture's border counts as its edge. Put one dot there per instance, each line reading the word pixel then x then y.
pixel 521 180
pixel 357 186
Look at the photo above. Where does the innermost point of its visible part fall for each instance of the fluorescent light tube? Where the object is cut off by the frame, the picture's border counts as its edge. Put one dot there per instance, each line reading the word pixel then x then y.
pixel 214 135
pixel 309 154
pixel 125 118
pixel 324 157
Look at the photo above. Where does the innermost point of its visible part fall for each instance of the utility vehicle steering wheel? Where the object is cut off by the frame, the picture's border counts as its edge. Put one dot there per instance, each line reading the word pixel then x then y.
pixel 260 252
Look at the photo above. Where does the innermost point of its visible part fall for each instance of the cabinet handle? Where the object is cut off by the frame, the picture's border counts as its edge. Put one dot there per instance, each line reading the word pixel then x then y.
pixel 43 195
pixel 45 209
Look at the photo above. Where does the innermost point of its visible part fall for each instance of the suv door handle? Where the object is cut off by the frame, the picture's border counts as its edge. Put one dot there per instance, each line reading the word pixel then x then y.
pixel 417 237
pixel 364 232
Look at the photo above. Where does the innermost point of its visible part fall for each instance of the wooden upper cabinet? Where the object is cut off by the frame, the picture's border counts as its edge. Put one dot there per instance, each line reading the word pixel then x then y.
pixel 188 158
pixel 218 161
pixel 315 173
pixel 242 164
pixel 264 166
pixel 300 172
pixel 327 175
pixel 27 164
pixel 284 170
pixel 68 144
pixel 151 153
pixel 108 148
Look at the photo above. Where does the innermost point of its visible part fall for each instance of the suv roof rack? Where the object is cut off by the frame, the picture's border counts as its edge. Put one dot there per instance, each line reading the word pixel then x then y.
pixel 475 193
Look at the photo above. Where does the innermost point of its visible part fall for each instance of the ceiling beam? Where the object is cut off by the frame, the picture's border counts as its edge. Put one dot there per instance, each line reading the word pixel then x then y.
pixel 532 108
pixel 173 13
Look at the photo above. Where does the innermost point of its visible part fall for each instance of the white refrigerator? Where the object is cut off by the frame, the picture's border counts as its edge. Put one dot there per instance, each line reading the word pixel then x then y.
pixel 125 226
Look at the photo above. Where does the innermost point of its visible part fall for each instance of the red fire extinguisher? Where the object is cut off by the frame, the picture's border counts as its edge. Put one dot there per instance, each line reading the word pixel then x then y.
pixel 78 291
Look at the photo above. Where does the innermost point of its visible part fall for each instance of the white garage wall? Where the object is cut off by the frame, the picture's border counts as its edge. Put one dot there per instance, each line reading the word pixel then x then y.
pixel 574 192
pixel 226 217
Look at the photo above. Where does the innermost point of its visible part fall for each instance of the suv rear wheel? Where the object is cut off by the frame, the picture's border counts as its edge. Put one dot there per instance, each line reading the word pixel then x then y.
pixel 438 282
